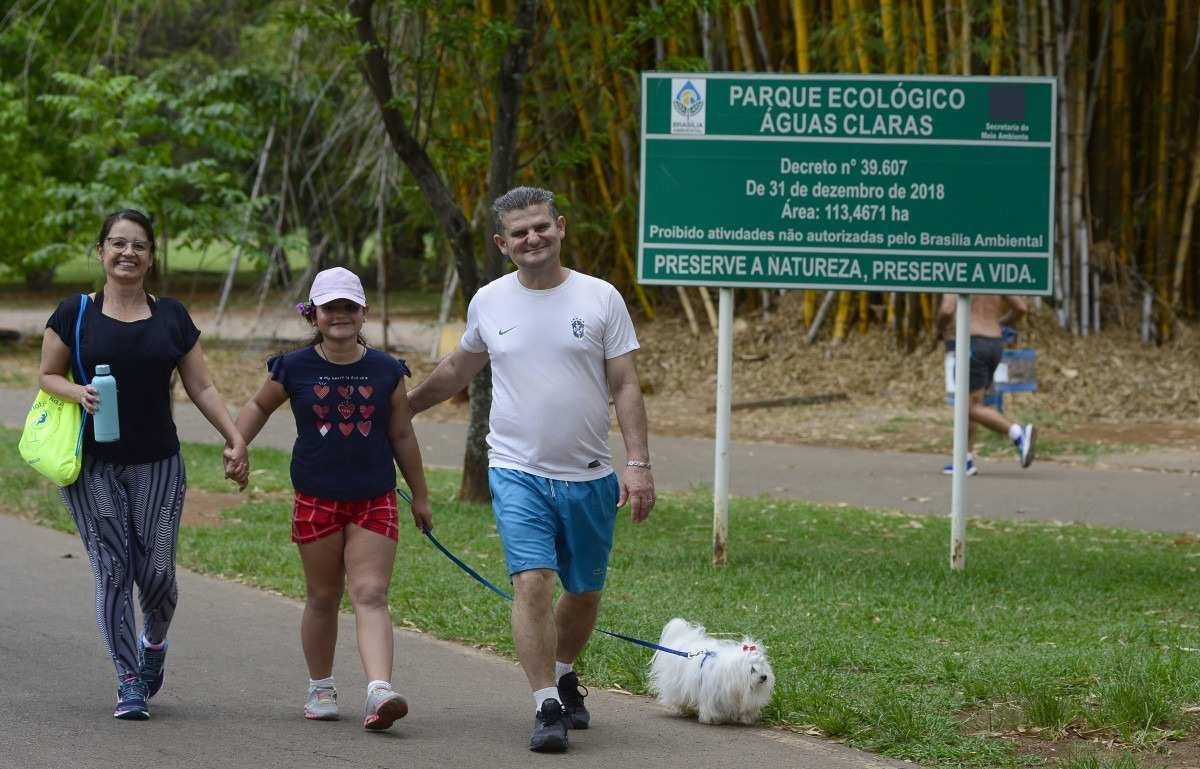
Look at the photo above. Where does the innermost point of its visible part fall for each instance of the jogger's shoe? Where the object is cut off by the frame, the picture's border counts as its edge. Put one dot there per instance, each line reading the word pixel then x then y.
pixel 151 666
pixel 571 694
pixel 131 700
pixel 1025 444
pixel 549 729
pixel 383 708
pixel 322 704
pixel 948 468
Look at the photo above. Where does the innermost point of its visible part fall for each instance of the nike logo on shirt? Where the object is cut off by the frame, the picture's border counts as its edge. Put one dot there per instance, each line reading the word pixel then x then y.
pixel 504 331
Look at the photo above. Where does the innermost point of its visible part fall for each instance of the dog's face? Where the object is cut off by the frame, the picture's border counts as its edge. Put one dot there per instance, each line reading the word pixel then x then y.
pixel 762 678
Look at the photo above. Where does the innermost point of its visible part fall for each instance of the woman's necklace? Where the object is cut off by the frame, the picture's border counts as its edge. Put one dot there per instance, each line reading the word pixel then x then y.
pixel 358 348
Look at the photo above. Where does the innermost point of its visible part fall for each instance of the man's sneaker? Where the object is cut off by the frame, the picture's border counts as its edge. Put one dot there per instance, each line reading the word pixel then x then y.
pixel 322 704
pixel 549 729
pixel 972 469
pixel 571 694
pixel 131 700
pixel 1025 444
pixel 383 708
pixel 151 666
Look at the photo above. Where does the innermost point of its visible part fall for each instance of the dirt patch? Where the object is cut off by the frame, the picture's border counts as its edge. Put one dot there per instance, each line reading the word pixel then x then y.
pixel 203 509
pixel 1169 754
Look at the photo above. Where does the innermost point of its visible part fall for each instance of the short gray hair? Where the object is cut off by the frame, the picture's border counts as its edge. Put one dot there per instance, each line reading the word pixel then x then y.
pixel 518 198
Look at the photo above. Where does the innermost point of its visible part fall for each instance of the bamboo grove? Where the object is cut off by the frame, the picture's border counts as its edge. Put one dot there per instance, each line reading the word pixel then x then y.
pixel 1129 137
pixel 266 101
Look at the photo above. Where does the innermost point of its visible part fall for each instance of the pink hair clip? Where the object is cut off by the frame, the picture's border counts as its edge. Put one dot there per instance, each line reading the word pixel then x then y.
pixel 301 308
pixel 749 647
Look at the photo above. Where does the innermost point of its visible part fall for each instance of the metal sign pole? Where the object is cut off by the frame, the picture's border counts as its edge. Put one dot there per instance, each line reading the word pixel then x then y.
pixel 724 406
pixel 962 402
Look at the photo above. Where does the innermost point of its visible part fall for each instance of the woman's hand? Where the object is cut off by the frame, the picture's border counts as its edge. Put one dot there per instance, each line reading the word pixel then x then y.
pixel 422 514
pixel 237 464
pixel 89 398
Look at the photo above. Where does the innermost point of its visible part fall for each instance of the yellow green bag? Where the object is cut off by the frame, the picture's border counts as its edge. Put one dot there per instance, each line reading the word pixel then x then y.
pixel 52 442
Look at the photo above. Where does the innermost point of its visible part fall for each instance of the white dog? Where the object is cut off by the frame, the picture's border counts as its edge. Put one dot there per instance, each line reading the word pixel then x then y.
pixel 727 682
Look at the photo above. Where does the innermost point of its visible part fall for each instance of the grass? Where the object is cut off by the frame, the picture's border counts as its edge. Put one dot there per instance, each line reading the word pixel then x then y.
pixel 1063 628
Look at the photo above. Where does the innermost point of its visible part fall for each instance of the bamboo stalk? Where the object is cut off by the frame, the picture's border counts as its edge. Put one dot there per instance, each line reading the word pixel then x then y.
pixel 1184 246
pixel 931 47
pixel 581 113
pixel 998 36
pixel 800 28
pixel 965 45
pixel 891 44
pixel 1162 181
pixel 1122 138
pixel 858 23
pixel 1078 150
pixel 688 312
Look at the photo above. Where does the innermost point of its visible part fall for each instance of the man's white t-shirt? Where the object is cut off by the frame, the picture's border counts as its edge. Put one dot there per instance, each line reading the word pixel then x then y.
pixel 548 351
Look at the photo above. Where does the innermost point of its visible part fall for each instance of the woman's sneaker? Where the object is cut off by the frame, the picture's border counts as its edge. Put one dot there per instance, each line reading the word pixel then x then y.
pixel 131 700
pixel 322 704
pixel 151 666
pixel 383 708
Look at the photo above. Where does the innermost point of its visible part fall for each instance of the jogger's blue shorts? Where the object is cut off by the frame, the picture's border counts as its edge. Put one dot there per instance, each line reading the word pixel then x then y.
pixel 565 526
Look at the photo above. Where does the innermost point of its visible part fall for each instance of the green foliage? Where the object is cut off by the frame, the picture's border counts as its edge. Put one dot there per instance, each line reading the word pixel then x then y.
pixel 160 144
pixel 25 206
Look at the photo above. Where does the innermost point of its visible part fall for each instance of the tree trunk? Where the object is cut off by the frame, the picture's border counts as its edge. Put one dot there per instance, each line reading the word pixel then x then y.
pixel 474 486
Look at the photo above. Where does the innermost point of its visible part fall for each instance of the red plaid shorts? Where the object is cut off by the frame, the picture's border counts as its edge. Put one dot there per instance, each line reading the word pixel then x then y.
pixel 314 517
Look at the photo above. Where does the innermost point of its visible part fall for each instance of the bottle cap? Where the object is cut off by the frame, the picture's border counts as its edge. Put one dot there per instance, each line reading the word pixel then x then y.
pixel 101 369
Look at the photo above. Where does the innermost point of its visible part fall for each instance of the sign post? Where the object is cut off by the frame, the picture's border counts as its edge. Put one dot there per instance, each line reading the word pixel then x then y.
pixel 861 183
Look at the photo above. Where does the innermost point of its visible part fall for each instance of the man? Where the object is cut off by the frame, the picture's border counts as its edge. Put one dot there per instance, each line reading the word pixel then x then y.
pixel 989 313
pixel 561 344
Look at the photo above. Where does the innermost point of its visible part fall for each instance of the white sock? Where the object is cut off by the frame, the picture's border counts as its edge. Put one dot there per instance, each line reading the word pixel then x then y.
pixel 378 683
pixel 541 695
pixel 1015 431
pixel 154 647
pixel 562 668
pixel 321 683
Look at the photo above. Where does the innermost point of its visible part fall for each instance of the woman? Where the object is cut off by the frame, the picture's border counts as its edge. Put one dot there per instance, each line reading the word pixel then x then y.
pixel 128 497
pixel 353 426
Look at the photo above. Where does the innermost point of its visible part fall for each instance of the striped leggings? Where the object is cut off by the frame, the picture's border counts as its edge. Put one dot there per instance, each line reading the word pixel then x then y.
pixel 128 518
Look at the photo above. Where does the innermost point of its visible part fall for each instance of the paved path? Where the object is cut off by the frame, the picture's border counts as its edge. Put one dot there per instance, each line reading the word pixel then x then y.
pixel 1118 494
pixel 235 688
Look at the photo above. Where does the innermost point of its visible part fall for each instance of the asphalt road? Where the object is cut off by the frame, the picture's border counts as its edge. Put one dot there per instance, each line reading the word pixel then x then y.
pixel 235 688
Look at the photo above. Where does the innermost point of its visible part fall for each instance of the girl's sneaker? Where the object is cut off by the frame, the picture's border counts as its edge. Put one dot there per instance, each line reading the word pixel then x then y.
pixel 383 708
pixel 322 704
pixel 131 700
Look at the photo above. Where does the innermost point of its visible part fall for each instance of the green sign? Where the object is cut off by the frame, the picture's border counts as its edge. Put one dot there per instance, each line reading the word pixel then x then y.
pixel 866 183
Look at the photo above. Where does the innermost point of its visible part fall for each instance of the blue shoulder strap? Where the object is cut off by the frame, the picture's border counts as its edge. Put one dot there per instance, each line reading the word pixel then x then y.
pixel 83 303
pixel 83 379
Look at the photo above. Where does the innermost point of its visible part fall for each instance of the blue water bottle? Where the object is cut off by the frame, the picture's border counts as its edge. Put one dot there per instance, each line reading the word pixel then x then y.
pixel 106 422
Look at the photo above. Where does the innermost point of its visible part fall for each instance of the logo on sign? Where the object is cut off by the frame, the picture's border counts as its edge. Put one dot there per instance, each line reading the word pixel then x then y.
pixel 687 105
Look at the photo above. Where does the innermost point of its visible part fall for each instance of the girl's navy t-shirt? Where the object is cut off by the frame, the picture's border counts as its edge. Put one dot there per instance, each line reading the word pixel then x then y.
pixel 141 355
pixel 343 412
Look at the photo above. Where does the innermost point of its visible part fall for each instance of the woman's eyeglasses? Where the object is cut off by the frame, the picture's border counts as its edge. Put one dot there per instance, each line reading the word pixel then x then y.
pixel 140 247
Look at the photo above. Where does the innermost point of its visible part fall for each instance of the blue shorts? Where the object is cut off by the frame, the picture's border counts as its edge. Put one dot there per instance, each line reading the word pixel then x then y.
pixel 564 526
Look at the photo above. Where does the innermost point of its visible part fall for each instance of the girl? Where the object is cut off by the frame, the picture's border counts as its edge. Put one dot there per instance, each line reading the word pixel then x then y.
pixel 352 421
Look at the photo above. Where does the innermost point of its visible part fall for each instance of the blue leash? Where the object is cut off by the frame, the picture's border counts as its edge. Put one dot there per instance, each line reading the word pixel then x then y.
pixel 498 591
